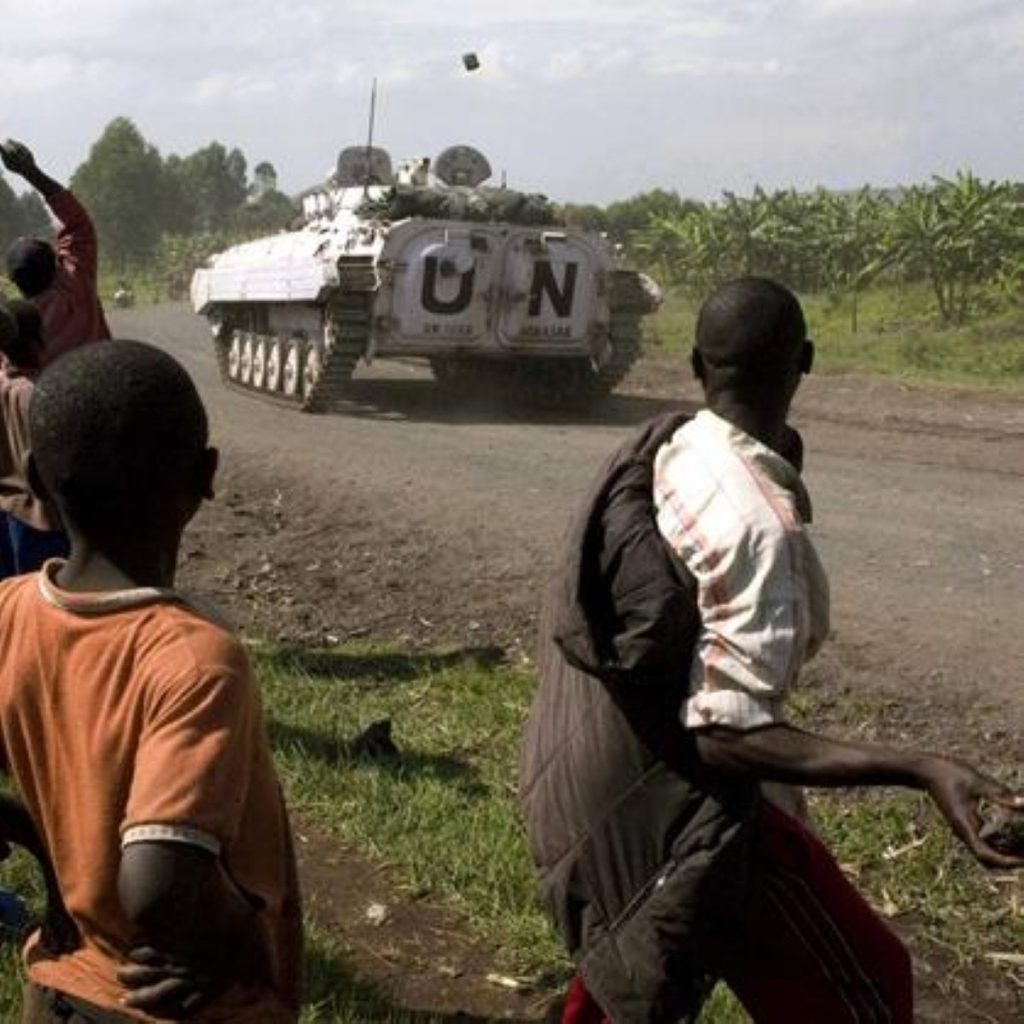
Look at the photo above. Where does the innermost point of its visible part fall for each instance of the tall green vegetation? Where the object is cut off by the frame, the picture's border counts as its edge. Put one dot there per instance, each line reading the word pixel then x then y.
pixel 159 217
pixel 20 215
pixel 963 237
pixel 122 184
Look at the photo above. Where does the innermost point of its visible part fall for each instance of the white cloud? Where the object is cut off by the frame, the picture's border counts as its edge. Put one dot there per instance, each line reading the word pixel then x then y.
pixel 28 77
pixel 244 85
pixel 588 62
pixel 882 88
pixel 692 18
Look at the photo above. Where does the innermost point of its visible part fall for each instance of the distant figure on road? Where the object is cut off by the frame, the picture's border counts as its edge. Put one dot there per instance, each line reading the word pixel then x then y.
pixel 60 280
pixel 124 297
pixel 689 598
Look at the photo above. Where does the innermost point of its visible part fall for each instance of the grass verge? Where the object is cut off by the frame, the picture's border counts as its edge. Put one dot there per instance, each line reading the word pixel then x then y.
pixel 898 336
pixel 443 813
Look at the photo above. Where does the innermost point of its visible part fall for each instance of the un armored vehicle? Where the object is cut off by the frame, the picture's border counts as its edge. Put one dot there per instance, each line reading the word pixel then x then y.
pixel 424 261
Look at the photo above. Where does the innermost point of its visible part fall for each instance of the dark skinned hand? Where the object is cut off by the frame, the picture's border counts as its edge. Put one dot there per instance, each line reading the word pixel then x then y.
pixel 17 157
pixel 164 986
pixel 958 790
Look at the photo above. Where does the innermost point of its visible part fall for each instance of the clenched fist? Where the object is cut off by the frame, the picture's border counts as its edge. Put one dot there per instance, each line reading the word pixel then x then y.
pixel 17 157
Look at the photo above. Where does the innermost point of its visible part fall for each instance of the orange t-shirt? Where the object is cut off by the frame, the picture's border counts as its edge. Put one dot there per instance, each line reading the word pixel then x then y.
pixel 132 715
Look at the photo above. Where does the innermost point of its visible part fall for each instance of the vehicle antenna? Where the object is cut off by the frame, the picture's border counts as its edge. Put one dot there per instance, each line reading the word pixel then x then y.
pixel 369 137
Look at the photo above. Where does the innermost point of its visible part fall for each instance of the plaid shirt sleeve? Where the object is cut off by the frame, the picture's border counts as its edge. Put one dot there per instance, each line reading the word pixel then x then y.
pixel 762 592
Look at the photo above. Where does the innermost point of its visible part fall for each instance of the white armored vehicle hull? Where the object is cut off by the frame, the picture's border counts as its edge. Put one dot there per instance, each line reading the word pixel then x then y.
pixel 544 307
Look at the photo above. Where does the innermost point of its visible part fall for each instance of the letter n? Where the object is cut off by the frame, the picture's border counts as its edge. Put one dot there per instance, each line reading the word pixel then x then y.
pixel 544 283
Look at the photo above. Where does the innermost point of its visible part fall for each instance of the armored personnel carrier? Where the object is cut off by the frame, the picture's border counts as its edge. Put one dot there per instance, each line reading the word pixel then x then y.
pixel 424 261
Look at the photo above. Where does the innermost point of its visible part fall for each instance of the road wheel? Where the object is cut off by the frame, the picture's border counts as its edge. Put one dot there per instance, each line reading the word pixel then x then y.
pixel 235 355
pixel 259 363
pixel 312 367
pixel 245 366
pixel 291 376
pixel 275 364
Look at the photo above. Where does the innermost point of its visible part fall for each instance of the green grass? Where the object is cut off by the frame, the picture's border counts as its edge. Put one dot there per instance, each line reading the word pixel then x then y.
pixel 443 815
pixel 147 288
pixel 445 810
pixel 898 336
pixel 17 873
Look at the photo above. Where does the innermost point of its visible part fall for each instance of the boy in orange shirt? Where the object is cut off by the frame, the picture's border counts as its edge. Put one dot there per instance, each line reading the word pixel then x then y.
pixel 131 724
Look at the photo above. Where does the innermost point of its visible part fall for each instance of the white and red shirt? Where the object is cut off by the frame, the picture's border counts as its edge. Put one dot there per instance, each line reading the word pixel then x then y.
pixel 735 512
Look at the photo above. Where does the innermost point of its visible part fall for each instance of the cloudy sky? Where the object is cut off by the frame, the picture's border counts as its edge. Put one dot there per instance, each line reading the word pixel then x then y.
pixel 582 99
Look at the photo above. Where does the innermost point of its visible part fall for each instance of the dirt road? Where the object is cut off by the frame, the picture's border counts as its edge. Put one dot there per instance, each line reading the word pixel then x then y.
pixel 406 517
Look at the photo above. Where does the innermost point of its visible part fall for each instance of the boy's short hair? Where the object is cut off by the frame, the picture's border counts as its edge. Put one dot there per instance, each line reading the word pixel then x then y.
pixel 118 431
pixel 25 348
pixel 31 265
pixel 750 325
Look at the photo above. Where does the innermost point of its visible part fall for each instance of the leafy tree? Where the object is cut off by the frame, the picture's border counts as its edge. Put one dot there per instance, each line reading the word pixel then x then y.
pixel 20 215
pixel 210 187
pixel 34 218
pixel 123 185
pixel 854 228
pixel 584 216
pixel 272 211
pixel 957 235
pixel 177 256
pixel 630 215
pixel 10 215
pixel 180 203
pixel 964 237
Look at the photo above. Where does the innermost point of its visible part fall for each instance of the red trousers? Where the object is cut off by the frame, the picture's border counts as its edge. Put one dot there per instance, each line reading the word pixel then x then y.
pixel 812 950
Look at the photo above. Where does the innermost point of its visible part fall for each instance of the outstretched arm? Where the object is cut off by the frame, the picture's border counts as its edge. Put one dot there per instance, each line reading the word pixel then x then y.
pixel 782 753
pixel 59 934
pixel 18 159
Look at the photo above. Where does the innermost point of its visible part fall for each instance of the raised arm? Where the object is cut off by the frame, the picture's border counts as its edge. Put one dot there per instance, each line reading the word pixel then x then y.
pixel 782 753
pixel 77 245
pixel 18 159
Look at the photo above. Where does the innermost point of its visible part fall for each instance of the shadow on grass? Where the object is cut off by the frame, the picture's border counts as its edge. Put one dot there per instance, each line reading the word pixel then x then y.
pixel 342 752
pixel 334 994
pixel 377 666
